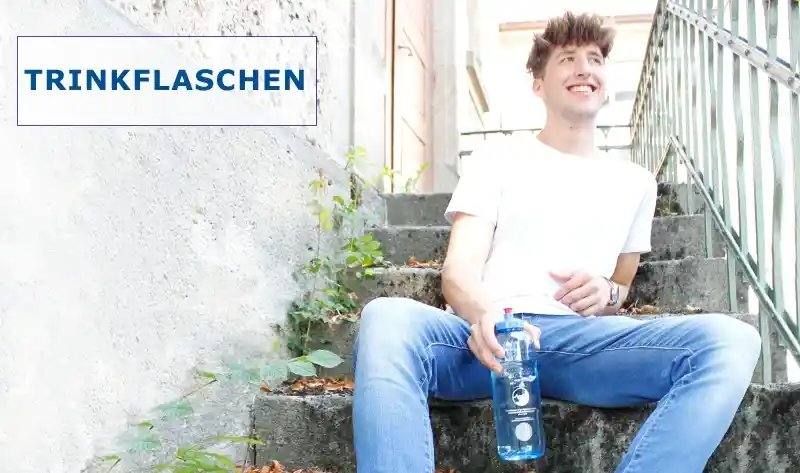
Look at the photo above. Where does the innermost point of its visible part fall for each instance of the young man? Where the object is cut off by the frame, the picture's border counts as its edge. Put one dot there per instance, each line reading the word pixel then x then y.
pixel 557 230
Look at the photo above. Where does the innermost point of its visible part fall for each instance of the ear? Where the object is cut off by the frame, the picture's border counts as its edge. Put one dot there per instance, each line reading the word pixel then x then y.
pixel 538 88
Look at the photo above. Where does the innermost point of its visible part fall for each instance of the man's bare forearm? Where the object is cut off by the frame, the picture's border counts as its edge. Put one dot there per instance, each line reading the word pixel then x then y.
pixel 464 292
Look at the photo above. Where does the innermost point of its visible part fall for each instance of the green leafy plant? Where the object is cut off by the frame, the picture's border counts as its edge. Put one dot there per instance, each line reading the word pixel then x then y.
pixel 412 181
pixel 191 458
pixel 195 458
pixel 275 373
pixel 329 297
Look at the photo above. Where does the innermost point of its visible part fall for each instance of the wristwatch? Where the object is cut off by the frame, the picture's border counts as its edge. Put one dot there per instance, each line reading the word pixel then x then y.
pixel 613 298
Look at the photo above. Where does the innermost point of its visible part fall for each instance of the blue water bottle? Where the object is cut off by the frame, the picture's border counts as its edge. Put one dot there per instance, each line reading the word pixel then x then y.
pixel 516 397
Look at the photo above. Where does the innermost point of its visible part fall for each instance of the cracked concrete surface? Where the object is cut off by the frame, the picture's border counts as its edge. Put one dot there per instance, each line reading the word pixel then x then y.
pixel 579 439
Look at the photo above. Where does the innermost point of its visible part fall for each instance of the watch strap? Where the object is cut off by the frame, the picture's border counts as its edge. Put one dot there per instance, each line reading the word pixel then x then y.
pixel 613 292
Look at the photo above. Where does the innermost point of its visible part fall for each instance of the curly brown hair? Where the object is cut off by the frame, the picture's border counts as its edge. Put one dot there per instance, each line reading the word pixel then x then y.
pixel 570 29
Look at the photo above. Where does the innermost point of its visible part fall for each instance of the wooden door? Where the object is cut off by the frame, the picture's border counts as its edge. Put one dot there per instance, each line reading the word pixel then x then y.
pixel 412 82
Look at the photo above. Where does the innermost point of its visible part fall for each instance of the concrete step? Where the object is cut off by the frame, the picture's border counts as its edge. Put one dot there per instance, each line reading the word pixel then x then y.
pixel 428 209
pixel 693 281
pixel 416 209
pixel 316 431
pixel 672 238
pixel 670 285
pixel 672 200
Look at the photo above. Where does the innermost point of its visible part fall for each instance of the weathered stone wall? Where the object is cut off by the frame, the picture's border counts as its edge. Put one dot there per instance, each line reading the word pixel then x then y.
pixel 130 255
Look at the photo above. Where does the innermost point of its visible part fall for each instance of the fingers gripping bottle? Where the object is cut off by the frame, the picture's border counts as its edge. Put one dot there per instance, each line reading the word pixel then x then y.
pixel 516 397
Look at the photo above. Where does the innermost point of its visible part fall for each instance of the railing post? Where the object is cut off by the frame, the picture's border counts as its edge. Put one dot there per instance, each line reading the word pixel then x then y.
pixel 794 65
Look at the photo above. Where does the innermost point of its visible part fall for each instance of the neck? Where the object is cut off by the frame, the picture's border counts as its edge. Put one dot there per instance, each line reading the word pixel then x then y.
pixel 569 137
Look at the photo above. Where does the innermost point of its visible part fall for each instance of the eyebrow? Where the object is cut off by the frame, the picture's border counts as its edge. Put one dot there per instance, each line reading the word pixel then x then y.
pixel 565 51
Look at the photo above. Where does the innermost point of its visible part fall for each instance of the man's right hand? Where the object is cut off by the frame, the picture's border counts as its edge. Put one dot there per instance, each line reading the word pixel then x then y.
pixel 484 345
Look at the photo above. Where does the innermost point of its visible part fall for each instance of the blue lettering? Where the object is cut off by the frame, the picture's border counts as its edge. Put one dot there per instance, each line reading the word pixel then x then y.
pixel 157 81
pixel 203 80
pixel 140 75
pixel 204 77
pixel 299 82
pixel 75 74
pixel 118 80
pixel 182 80
pixel 92 77
pixel 55 77
pixel 33 73
pixel 270 76
pixel 243 80
pixel 219 79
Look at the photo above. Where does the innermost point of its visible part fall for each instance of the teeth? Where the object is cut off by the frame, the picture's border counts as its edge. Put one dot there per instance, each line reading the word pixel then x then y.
pixel 581 88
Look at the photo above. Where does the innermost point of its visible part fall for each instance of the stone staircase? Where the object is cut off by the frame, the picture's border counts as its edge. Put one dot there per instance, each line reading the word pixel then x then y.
pixel 315 430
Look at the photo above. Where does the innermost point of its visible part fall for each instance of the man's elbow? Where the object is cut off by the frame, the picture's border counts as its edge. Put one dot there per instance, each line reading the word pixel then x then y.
pixel 449 269
pixel 458 271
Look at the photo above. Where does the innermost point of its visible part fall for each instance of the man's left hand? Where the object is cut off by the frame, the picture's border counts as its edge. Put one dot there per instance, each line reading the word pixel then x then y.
pixel 582 292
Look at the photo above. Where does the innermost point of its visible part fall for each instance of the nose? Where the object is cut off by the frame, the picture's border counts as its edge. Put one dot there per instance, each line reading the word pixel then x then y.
pixel 582 68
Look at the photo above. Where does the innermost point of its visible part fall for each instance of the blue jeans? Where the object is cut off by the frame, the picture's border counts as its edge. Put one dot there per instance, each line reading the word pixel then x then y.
pixel 698 366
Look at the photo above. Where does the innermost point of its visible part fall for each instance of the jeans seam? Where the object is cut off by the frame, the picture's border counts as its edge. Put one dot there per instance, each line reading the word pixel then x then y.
pixel 429 356
pixel 448 345
pixel 429 454
pixel 636 347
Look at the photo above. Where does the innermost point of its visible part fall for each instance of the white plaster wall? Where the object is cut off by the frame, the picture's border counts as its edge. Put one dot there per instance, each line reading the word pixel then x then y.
pixel 130 255
pixel 449 18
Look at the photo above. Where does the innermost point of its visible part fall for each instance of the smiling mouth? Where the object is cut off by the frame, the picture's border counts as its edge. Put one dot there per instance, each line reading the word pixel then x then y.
pixel 582 89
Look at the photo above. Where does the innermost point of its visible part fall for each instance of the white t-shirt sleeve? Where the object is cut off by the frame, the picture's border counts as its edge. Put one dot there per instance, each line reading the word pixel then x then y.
pixel 640 232
pixel 478 189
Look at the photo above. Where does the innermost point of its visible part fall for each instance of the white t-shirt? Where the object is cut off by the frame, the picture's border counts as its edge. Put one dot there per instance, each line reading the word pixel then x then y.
pixel 552 211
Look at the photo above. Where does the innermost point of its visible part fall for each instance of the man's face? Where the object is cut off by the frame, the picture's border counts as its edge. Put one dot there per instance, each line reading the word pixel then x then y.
pixel 573 84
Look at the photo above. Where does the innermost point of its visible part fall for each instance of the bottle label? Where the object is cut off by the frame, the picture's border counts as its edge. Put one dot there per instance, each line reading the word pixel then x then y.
pixel 524 412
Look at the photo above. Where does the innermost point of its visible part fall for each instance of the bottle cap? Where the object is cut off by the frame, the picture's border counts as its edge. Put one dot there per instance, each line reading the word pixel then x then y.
pixel 509 322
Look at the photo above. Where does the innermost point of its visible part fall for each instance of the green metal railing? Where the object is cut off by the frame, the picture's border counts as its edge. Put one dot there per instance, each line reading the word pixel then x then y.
pixel 718 111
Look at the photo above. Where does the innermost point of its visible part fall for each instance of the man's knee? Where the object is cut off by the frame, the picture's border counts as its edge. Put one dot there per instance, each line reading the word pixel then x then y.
pixel 388 323
pixel 735 340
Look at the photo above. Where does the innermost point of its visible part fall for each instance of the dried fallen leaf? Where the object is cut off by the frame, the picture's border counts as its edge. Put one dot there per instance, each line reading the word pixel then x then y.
pixel 318 386
pixel 414 263
pixel 276 467
pixel 633 309
pixel 272 467
pixel 335 319
pixel 648 309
